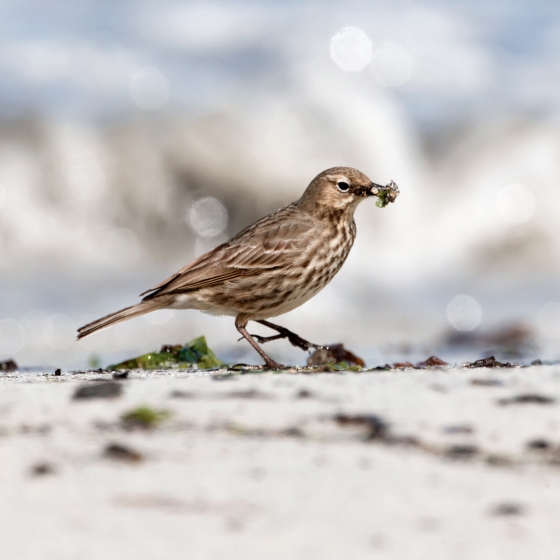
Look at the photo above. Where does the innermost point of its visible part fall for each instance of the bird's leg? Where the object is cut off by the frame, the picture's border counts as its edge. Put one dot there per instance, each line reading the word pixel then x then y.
pixel 270 363
pixel 283 332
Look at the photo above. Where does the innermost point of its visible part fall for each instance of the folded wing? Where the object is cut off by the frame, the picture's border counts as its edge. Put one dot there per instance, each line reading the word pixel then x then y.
pixel 270 243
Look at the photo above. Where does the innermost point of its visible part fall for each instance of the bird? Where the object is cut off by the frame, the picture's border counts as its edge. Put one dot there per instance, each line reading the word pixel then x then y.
pixel 272 266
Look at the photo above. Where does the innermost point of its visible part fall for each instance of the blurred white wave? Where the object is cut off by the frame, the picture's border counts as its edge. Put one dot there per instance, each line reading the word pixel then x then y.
pixel 210 115
pixel 149 88
pixel 200 25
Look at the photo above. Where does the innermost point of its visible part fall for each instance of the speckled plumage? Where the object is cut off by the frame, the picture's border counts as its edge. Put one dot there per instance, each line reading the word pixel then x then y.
pixel 272 266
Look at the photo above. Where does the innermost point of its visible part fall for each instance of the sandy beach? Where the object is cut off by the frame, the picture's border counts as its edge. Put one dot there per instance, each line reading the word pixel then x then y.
pixel 439 464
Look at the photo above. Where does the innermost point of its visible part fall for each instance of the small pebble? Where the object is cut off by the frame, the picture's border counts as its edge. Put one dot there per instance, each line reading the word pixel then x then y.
pixel 458 429
pixel 120 452
pixel 487 382
pixel 376 426
pixel 41 469
pixel 462 451
pixel 528 398
pixel 508 508
pixel 177 394
pixel 538 445
pixel 8 365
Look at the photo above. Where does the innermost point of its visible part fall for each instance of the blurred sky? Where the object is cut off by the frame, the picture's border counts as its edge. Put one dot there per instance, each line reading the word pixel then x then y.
pixel 136 135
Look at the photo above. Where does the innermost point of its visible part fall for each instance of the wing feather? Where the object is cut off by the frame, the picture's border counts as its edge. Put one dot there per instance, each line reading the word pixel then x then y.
pixel 270 243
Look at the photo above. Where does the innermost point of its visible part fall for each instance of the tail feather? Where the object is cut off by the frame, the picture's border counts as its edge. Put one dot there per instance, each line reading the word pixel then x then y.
pixel 118 317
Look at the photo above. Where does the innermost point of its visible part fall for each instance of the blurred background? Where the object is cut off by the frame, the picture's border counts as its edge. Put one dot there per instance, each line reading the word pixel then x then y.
pixel 136 135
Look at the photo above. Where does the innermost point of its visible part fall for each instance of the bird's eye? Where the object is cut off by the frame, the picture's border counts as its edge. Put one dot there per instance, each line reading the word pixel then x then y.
pixel 342 186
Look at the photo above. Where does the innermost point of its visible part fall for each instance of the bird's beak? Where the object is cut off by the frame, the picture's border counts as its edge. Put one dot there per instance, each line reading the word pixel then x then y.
pixel 386 194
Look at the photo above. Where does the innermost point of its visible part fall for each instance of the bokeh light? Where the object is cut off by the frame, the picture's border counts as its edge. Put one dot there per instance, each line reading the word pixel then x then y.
pixel 351 49
pixel 549 319
pixel 12 337
pixel 204 244
pixel 34 323
pixel 208 217
pixel 59 331
pixel 464 313
pixel 149 88
pixel 392 65
pixel 516 203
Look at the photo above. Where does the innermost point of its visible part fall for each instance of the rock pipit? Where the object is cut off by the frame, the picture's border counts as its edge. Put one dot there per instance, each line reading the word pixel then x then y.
pixel 272 266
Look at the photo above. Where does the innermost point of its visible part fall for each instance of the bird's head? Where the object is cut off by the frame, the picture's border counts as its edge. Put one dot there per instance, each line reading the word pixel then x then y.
pixel 342 189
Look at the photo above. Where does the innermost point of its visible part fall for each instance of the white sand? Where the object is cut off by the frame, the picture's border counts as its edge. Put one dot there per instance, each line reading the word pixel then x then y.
pixel 274 477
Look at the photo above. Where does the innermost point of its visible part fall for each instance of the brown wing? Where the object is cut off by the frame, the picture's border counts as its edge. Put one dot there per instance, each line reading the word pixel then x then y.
pixel 272 242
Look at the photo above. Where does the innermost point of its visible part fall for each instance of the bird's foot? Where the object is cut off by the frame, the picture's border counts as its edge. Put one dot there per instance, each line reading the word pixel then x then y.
pixel 271 364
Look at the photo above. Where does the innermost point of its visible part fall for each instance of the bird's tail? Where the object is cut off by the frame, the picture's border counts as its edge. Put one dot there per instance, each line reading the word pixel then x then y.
pixel 119 316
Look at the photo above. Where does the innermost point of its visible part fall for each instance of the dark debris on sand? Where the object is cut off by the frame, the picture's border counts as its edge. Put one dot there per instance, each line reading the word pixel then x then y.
pixel 8 365
pixel 335 354
pixel 376 427
pixel 178 394
pixel 527 398
pixel 431 362
pixel 101 390
pixel 539 445
pixel 461 452
pixel 489 362
pixel 487 382
pixel 120 452
pixel 507 509
pixel 42 469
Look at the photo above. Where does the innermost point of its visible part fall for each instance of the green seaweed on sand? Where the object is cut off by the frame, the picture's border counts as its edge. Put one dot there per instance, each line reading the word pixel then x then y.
pixel 194 353
pixel 144 417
